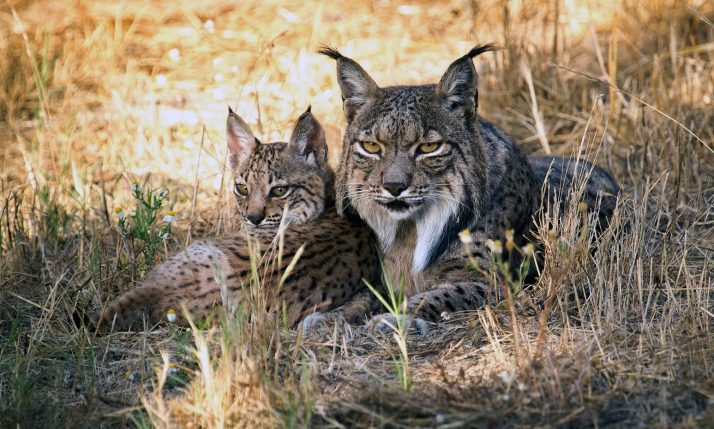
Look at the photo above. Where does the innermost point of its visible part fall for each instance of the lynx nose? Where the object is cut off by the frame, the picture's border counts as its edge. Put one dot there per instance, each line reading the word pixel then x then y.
pixel 395 188
pixel 256 218
pixel 397 178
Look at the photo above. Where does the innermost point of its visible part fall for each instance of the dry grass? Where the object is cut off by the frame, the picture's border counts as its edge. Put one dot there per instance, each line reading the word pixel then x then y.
pixel 615 333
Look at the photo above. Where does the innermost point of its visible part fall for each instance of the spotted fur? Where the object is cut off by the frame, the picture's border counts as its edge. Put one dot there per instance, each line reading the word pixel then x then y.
pixel 338 253
pixel 560 174
pixel 419 166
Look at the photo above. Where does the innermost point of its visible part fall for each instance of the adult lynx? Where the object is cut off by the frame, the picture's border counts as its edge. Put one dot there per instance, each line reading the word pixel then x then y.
pixel 419 166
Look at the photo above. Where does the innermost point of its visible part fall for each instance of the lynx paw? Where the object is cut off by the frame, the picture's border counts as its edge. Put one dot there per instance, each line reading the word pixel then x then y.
pixel 388 323
pixel 314 322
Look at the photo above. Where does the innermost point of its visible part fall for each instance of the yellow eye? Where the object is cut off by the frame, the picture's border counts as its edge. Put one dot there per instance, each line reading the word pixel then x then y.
pixel 371 147
pixel 278 191
pixel 428 147
pixel 241 189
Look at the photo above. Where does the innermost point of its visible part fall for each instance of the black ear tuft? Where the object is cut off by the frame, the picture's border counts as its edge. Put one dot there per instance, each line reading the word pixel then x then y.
pixel 309 108
pixel 458 87
pixel 480 49
pixel 330 52
pixel 356 85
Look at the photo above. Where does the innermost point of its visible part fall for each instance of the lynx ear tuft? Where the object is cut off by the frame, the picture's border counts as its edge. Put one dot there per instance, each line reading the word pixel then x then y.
pixel 241 141
pixel 308 139
pixel 458 87
pixel 356 85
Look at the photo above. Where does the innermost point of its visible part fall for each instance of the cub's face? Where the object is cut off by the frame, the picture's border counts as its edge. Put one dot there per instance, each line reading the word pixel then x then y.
pixel 279 179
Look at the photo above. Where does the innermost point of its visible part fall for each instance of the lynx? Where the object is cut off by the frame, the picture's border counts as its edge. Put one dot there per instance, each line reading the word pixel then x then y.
pixel 560 173
pixel 419 166
pixel 270 179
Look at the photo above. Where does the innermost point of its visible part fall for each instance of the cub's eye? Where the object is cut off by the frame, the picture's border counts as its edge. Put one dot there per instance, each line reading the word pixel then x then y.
pixel 428 147
pixel 278 191
pixel 241 189
pixel 371 147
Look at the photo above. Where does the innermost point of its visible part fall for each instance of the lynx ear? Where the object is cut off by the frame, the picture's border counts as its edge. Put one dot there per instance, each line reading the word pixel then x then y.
pixel 459 85
pixel 308 139
pixel 241 141
pixel 356 85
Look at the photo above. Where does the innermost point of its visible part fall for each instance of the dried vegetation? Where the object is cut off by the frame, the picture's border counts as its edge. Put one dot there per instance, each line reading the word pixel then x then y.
pixel 615 333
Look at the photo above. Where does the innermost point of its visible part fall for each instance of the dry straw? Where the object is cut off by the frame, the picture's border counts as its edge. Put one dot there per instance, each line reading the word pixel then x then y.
pixel 616 332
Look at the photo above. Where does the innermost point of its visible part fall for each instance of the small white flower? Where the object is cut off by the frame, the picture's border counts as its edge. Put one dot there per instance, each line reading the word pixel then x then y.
pixel 135 186
pixel 163 193
pixel 143 273
pixel 506 397
pixel 445 315
pixel 171 315
pixel 170 217
pixel 494 246
pixel 235 69
pixel 465 237
pixel 506 377
pixel 528 249
pixel 210 26
pixel 164 235
pixel 130 375
pixel 175 55
pixel 120 212
pixel 217 61
pixel 161 79
pixel 522 387
pixel 218 77
pixel 132 213
pixel 173 369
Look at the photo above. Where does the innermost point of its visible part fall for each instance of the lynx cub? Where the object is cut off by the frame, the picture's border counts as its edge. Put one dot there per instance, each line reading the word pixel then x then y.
pixel 419 166
pixel 338 252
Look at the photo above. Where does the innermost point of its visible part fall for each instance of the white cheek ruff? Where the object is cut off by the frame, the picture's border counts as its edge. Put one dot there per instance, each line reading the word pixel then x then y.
pixel 430 226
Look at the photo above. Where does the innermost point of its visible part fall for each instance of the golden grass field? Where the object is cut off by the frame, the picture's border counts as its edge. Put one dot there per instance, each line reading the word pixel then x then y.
pixel 95 95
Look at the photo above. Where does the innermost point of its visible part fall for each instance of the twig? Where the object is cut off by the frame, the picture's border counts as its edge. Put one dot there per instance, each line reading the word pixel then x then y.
pixel 596 79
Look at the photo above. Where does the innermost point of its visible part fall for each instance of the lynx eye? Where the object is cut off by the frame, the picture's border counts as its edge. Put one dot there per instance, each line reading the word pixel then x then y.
pixel 428 147
pixel 279 191
pixel 241 189
pixel 370 147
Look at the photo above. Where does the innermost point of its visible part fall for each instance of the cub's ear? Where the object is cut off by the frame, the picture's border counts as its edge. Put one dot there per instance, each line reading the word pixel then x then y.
pixel 308 139
pixel 458 88
pixel 356 85
pixel 241 141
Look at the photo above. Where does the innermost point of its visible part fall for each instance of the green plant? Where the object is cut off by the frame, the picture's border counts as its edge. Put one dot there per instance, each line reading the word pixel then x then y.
pixel 139 229
pixel 397 308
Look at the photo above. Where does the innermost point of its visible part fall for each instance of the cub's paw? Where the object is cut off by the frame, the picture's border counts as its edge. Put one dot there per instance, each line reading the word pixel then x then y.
pixel 314 322
pixel 388 323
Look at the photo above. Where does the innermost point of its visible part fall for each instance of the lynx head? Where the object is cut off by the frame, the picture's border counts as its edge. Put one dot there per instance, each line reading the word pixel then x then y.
pixel 269 177
pixel 411 153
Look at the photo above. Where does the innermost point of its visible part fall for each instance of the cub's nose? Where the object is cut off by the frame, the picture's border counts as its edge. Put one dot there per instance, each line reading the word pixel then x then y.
pixel 256 218
pixel 395 188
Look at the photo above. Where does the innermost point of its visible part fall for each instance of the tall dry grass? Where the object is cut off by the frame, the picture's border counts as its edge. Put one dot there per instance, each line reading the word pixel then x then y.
pixel 95 95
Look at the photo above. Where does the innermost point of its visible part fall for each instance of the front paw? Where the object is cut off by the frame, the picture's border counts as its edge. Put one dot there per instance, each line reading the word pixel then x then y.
pixel 314 322
pixel 387 322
